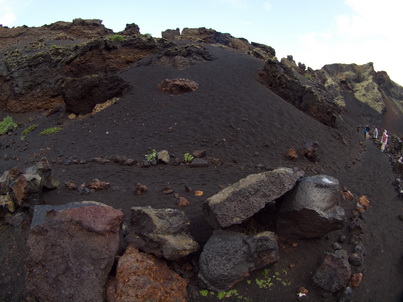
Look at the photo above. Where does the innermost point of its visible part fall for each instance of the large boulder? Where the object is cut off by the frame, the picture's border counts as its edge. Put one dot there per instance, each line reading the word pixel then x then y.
pixel 72 249
pixel 144 277
pixel 334 273
pixel 83 93
pixel 162 232
pixel 228 257
pixel 240 201
pixel 312 208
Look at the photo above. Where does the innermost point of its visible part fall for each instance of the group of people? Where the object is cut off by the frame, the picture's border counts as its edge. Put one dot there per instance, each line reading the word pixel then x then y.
pixel 375 134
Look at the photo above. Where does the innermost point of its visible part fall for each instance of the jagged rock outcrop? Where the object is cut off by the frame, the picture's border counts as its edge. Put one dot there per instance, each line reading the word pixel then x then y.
pixel 32 76
pixel 171 34
pixel 84 28
pixel 131 29
pixel 212 36
pixel 82 94
pixel 228 257
pixel 72 248
pixel 180 56
pixel 312 208
pixel 162 232
pixel 143 277
pixel 240 201
pixel 298 90
pixel 363 83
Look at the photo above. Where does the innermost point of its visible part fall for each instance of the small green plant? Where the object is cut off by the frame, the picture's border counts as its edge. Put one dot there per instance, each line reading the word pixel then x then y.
pixel 187 157
pixel 50 130
pixel 7 124
pixel 27 130
pixel 152 156
pixel 204 292
pixel 308 76
pixel 268 281
pixel 117 38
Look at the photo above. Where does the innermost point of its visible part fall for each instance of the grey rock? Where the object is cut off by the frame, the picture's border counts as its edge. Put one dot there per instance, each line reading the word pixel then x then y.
pixel 334 272
pixel 337 246
pixel 346 295
pixel 243 199
pixel 199 163
pixel 16 220
pixel 228 257
pixel 43 169
pixel 356 259
pixel 73 246
pixel 311 209
pixel 163 156
pixel 162 232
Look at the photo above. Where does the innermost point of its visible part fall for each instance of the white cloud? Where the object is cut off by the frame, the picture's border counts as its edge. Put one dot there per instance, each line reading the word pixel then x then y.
pixel 370 33
pixel 7 15
pixel 236 3
pixel 267 6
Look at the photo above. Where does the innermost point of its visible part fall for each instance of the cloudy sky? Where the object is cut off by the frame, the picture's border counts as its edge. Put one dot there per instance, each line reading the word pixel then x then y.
pixel 315 32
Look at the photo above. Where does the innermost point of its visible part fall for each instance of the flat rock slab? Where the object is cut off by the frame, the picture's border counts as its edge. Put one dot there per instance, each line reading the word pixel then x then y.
pixel 240 201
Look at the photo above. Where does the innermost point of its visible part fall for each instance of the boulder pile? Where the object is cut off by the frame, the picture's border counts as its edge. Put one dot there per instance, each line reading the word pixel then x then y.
pixel 76 245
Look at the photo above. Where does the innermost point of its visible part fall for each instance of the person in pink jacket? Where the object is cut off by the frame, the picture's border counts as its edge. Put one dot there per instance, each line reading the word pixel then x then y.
pixel 384 140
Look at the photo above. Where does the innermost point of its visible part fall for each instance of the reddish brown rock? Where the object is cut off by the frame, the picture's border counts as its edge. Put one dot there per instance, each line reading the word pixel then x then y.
pixel 178 86
pixel 26 189
pixel 140 189
pixel 310 151
pixel 74 246
pixel 356 280
pixel 98 185
pixel 144 277
pixel 71 185
pixel 363 202
pixel 183 202
pixel 291 153
pixel 347 195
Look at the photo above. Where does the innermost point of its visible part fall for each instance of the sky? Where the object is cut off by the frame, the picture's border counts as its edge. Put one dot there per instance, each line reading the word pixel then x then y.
pixel 314 32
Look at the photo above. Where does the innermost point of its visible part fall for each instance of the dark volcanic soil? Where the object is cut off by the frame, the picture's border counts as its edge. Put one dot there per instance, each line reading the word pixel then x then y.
pixel 237 120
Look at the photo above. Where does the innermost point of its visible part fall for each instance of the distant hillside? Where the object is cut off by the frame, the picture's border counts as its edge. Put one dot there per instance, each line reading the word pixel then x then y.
pixel 39 67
